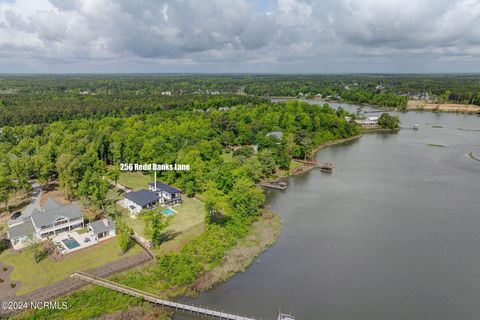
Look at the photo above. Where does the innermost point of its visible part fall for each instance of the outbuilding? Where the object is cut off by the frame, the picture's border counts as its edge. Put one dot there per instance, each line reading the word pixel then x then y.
pixel 102 229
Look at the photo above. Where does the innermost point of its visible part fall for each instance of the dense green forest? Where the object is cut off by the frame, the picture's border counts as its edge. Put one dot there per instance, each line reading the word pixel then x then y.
pixel 44 98
pixel 77 153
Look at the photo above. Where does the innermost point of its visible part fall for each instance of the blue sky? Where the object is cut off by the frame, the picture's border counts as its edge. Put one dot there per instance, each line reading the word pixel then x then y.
pixel 272 36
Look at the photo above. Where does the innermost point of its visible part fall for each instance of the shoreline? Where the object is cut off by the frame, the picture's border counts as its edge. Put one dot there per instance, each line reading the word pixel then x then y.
pixel 265 233
pixel 304 168
pixel 414 105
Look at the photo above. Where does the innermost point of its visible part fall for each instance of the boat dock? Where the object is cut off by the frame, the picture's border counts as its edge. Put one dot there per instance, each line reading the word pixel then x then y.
pixel 156 300
pixel 274 185
pixel 323 166
pixel 412 126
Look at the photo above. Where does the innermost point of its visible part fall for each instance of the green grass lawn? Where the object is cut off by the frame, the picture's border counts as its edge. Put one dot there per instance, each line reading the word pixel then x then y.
pixel 134 180
pixel 137 224
pixel 188 214
pixel 33 276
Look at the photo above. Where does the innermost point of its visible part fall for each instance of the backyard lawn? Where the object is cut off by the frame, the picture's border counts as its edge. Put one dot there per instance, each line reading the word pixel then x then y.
pixel 187 215
pixel 134 180
pixel 33 276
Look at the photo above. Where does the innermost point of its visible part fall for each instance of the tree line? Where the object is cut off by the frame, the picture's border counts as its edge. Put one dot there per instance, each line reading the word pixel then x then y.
pixel 27 99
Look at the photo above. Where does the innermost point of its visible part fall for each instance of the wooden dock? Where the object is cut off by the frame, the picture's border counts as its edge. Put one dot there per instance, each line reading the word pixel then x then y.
pixel 272 185
pixel 411 126
pixel 323 166
pixel 156 300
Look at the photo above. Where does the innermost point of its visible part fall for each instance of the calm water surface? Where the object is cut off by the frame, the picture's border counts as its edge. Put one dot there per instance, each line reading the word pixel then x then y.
pixel 393 233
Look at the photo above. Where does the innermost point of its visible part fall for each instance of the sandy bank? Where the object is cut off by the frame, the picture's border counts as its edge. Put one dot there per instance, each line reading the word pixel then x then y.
pixel 417 105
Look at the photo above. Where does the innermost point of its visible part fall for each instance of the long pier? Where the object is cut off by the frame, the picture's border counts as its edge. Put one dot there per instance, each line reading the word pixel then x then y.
pixel 156 300
pixel 324 166
pixel 278 186
pixel 411 126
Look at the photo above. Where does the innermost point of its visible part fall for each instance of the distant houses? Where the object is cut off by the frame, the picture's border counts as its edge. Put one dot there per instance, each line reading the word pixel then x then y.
pixel 157 193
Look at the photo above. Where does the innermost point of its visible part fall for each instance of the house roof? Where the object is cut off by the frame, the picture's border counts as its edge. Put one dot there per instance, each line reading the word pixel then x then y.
pixel 47 217
pixel 275 134
pixel 20 230
pixel 51 204
pixel 102 225
pixel 164 187
pixel 142 197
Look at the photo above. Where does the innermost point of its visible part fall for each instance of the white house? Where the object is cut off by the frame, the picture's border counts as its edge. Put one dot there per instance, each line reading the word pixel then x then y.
pixel 102 229
pixel 51 220
pixel 368 122
pixel 167 194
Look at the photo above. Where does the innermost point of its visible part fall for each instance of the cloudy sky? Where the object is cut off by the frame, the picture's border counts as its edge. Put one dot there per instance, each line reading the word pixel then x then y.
pixel 271 36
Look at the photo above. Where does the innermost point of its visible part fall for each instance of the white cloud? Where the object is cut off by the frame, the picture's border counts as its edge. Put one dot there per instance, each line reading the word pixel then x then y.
pixel 232 36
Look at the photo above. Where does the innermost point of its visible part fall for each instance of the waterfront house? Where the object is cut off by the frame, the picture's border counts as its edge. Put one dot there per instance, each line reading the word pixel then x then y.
pixel 139 200
pixel 54 218
pixel 368 122
pixel 167 194
pixel 102 229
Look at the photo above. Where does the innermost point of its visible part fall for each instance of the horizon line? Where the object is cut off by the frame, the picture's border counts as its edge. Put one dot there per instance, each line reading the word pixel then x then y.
pixel 235 73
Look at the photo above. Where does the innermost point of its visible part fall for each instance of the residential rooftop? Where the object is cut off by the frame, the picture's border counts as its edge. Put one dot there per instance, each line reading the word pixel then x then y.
pixel 164 187
pixel 102 225
pixel 142 197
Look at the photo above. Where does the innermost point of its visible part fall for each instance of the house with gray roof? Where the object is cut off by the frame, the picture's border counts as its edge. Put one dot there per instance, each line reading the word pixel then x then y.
pixel 102 229
pixel 52 219
pixel 277 135
pixel 136 201
pixel 168 195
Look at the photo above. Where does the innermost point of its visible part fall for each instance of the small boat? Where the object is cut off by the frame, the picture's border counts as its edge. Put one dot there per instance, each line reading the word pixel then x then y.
pixel 326 167
pixel 283 316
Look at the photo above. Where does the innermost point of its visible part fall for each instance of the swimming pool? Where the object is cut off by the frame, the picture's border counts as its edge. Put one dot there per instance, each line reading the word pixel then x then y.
pixel 71 243
pixel 168 212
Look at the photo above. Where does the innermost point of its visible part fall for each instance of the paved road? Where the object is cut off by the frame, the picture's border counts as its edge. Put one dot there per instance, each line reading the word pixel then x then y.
pixel 35 201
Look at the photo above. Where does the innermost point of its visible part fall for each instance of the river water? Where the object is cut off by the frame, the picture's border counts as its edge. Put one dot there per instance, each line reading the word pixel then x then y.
pixel 392 233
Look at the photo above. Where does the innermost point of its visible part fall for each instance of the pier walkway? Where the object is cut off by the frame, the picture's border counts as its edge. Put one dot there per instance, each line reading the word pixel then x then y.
pixel 154 299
